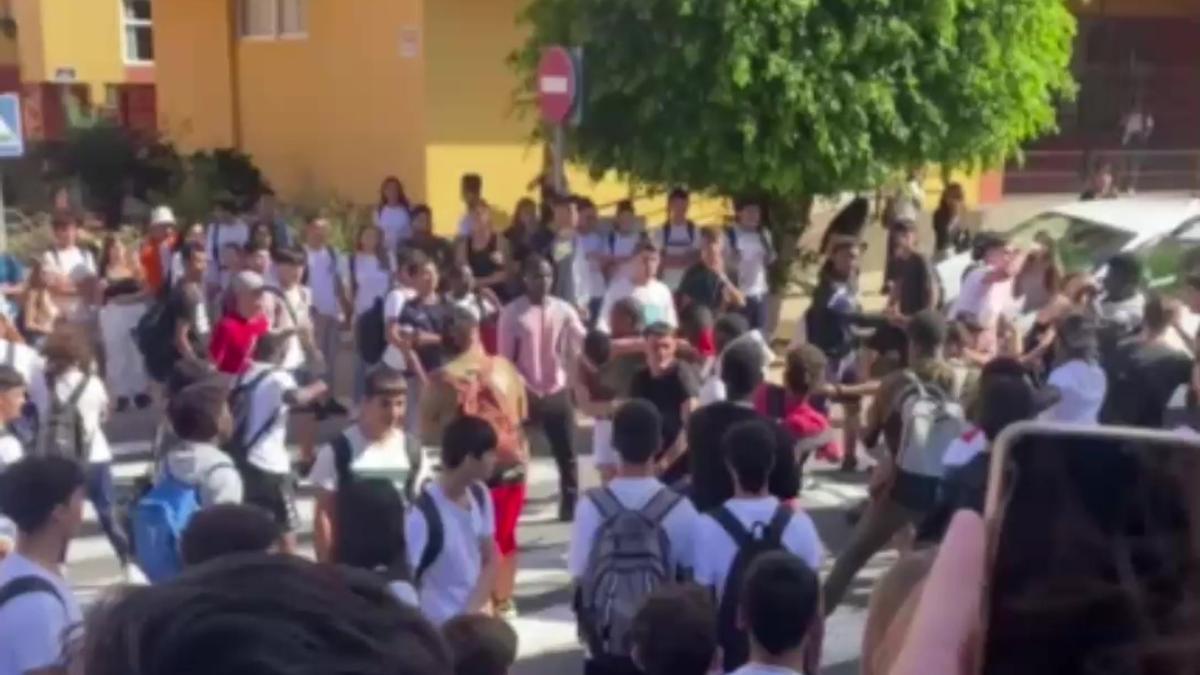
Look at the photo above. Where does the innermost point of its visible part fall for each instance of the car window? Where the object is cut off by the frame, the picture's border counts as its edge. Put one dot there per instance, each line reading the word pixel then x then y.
pixel 1082 244
pixel 1164 260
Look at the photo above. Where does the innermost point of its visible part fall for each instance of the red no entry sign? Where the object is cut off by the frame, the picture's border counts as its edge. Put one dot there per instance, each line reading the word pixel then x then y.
pixel 558 84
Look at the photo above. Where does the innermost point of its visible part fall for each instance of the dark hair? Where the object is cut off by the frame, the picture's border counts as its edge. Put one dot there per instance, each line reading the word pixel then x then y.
pixel 195 412
pixel 227 529
pixel 780 601
pixel 32 487
pixel 415 261
pixel 62 218
pixel 597 346
pixel 391 180
pixel 927 331
pixel 1160 312
pixel 804 372
pixel 675 631
pixel 465 437
pixel 480 645
pixel 728 328
pixel 10 378
pixel 106 254
pixel 658 329
pixel 749 450
pixel 377 545
pixel 710 235
pixel 383 381
pixel 472 182
pixel 636 431
pixel 1002 366
pixel 1078 337
pixel 262 614
pixel 289 255
pixel 742 369
pixel 188 371
pixel 189 249
pixel 646 245
pixel 535 263
pixel 1004 400
pixel 625 206
pixel 1125 268
pixel 420 210
pixel 272 346
pixel 630 307
pixel 584 203
pixel 678 193
pixel 458 331
pixel 255 246
pixel 694 320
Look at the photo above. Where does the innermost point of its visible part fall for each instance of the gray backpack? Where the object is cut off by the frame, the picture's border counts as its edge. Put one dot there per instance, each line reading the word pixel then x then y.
pixel 933 419
pixel 62 433
pixel 630 558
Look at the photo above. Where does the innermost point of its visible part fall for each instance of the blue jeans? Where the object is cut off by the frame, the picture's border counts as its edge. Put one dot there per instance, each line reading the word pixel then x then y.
pixel 755 312
pixel 101 493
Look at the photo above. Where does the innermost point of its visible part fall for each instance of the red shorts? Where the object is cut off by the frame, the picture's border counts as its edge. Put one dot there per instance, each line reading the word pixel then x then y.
pixel 508 501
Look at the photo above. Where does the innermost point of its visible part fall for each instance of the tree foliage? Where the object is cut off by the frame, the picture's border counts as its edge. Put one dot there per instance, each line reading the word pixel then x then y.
pixel 791 98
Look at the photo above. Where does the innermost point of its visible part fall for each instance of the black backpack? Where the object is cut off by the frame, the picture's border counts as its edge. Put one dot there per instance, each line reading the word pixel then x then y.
pixel 155 338
pixel 61 433
pixel 759 539
pixel 666 234
pixel 436 539
pixel 356 496
pixel 369 325
pixel 26 585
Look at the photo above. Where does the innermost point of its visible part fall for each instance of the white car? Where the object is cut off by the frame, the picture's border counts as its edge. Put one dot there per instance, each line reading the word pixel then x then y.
pixel 1159 229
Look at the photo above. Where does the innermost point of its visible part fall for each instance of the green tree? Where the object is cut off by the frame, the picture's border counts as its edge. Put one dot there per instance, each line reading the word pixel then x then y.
pixel 790 99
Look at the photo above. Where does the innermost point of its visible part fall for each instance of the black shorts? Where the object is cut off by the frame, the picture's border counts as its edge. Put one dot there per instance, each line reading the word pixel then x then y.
pixel 274 492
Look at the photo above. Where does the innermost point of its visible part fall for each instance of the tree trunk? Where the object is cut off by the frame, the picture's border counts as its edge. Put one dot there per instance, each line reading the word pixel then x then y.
pixel 788 218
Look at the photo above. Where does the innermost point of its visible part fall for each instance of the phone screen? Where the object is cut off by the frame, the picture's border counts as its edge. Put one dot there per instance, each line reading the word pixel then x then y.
pixel 1096 559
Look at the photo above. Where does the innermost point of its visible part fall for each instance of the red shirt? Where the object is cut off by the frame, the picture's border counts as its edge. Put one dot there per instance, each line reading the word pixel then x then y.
pixel 233 340
pixel 807 425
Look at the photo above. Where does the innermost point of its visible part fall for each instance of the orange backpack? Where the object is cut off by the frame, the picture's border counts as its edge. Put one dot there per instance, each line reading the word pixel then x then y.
pixel 479 397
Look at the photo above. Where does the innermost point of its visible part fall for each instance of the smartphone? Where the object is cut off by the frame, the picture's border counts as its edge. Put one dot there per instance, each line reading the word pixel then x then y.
pixel 1093 552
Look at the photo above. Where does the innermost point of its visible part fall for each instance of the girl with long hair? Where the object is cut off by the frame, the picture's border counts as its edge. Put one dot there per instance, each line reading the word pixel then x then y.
pixel 367 274
pixel 122 301
pixel 393 215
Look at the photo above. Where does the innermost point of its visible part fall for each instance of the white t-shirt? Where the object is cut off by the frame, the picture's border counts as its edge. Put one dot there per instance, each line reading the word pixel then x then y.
pixel 77 265
pixel 93 407
pixel 446 585
pixel 299 300
pixel 385 458
pixel 751 257
pixel 985 300
pixel 965 448
pixel 373 279
pixel 633 493
pixel 1082 386
pixel 715 550
pixel 396 224
pixel 603 453
pixel 34 626
pixel 590 282
pixel 677 240
pixel 405 593
pixel 622 245
pixel 222 262
pixel 322 280
pixel 267 406
pixel 26 361
pixel 392 306
pixel 658 304
pixel 10 450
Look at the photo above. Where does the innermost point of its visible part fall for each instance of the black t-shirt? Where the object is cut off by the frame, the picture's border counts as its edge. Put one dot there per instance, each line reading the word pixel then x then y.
pixel 703 287
pixel 668 392
pixel 426 318
pixel 913 277
pixel 186 302
pixel 1142 377
pixel 711 483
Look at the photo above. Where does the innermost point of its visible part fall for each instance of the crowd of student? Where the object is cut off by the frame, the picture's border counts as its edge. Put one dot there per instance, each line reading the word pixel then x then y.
pixel 692 555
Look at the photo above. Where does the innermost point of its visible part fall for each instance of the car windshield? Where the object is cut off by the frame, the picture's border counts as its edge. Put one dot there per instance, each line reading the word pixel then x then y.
pixel 1082 245
pixel 1164 260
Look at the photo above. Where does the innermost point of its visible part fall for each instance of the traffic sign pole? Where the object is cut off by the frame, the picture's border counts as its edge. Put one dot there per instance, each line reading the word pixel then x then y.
pixel 558 94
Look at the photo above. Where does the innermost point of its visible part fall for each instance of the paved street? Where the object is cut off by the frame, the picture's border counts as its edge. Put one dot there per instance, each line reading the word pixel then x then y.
pixel 546 626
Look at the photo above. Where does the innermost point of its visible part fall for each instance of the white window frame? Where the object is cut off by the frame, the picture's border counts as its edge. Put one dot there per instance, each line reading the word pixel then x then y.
pixel 277 32
pixel 128 22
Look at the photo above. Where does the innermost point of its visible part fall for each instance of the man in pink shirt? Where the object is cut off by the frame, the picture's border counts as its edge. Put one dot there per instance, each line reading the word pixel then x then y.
pixel 539 333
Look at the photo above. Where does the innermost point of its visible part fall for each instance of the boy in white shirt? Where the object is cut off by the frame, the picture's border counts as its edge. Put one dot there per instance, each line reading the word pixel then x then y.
pixel 780 610
pixel 1077 386
pixel 680 239
pixel 729 539
pixel 12 400
pixel 751 250
pixel 376 451
pixel 70 270
pixel 656 300
pixel 394 356
pixel 325 286
pixel 636 436
pixel 450 530
pixel 226 236
pixel 623 242
pixel 38 611
pixel 270 391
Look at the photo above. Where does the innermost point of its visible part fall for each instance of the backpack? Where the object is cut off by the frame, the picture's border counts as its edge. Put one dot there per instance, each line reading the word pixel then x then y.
pixel 763 236
pixel 630 558
pixel 18 586
pixel 751 543
pixel 436 538
pixel 666 234
pixel 154 335
pixel 240 398
pixel 157 522
pixel 478 397
pixel 355 495
pixel 932 420
pixel 369 325
pixel 61 433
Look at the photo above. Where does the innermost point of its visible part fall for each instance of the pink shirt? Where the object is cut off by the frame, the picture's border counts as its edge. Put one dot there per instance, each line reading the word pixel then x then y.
pixel 539 340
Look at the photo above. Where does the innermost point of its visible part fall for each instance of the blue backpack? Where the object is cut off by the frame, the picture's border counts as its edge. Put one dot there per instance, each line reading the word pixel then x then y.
pixel 158 520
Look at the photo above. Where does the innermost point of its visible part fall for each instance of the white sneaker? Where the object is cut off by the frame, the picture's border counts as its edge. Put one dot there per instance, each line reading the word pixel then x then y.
pixel 134 575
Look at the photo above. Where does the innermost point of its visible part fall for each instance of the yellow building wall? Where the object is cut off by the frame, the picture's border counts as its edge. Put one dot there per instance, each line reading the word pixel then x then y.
pixel 84 35
pixel 28 15
pixel 193 59
pixel 334 113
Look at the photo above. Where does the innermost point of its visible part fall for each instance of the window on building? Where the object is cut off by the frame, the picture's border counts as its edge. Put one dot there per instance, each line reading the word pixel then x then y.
pixel 139 31
pixel 274 18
